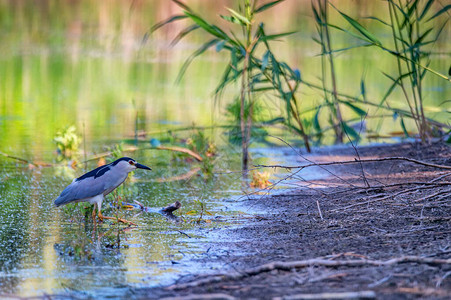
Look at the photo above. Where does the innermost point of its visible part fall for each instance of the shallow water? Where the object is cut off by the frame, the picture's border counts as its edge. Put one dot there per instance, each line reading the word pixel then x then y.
pixel 47 250
pixel 56 250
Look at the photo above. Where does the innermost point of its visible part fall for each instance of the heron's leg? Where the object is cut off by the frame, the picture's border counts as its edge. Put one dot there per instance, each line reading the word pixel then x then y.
pixel 120 220
pixel 94 216
pixel 99 208
pixel 102 217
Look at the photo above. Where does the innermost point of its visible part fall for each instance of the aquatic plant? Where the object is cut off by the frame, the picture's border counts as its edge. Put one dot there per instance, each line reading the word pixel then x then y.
pixel 201 144
pixel 413 34
pixel 255 73
pixel 199 213
pixel 320 10
pixel 258 133
pixel 260 179
pixel 115 152
pixel 67 141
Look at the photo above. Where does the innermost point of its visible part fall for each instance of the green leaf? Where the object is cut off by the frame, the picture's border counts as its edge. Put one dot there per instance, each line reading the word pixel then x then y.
pixel 198 52
pixel 182 5
pixel 360 28
pixel 350 131
pixel 392 87
pixel 357 109
pixel 421 38
pixel 315 13
pixel 351 33
pixel 316 40
pixel 367 44
pixel 316 124
pixel 167 21
pixel 220 46
pixel 240 17
pixel 363 89
pixel 443 10
pixel 267 5
pixel 377 19
pixel 403 126
pixel 274 121
pixel 265 60
pixel 230 19
pixel 212 29
pixel 184 33
pixel 263 89
pixel 234 60
pixel 389 91
pixel 426 9
pixel 413 7
pixel 276 36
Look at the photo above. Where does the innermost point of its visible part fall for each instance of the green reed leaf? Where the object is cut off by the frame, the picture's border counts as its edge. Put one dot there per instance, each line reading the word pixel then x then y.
pixel 350 131
pixel 443 10
pixel 243 20
pixel 184 33
pixel 425 9
pixel 167 21
pixel 212 29
pixel 403 126
pixel 267 6
pixel 360 28
pixel 356 109
pixel 276 36
pixel 198 52
pixel 182 5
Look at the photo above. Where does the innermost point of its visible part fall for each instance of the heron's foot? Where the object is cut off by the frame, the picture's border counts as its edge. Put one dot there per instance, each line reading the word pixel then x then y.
pixel 102 217
pixel 128 207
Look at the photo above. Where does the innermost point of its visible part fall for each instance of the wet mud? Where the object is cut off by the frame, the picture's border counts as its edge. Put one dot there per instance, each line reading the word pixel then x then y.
pixel 362 213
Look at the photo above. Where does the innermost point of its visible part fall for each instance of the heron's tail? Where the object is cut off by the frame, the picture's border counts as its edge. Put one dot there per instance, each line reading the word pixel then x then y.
pixel 59 201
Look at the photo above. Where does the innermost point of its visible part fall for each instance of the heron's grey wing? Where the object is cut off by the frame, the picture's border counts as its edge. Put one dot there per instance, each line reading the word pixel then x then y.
pixel 82 189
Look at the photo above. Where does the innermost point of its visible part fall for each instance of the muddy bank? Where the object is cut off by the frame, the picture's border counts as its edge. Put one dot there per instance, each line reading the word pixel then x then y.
pixel 344 232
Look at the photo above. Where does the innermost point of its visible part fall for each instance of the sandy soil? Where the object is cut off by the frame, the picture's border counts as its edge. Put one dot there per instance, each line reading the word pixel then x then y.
pixel 405 211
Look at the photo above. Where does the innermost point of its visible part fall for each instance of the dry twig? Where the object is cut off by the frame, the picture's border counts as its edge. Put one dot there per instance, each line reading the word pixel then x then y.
pixel 358 161
pixel 287 266
pixel 331 295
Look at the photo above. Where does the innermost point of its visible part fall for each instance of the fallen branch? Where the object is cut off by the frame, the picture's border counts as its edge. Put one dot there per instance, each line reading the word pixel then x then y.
pixel 212 296
pixel 287 266
pixel 331 295
pixel 433 195
pixel 26 161
pixel 180 149
pixel 185 176
pixel 384 197
pixel 133 149
pixel 357 161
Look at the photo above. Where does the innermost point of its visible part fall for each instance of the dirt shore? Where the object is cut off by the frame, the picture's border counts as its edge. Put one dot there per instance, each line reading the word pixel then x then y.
pixel 378 229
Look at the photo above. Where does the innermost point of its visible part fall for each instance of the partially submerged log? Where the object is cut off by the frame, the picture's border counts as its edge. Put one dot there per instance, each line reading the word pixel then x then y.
pixel 168 210
pixel 165 211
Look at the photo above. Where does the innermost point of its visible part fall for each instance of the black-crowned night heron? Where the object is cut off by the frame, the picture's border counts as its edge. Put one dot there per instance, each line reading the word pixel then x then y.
pixel 93 186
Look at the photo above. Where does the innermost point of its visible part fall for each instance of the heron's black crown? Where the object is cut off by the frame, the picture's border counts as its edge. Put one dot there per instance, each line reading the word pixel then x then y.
pixel 102 169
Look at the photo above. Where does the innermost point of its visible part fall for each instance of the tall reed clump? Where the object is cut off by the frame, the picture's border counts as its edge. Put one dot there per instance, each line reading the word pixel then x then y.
pixel 255 74
pixel 320 11
pixel 413 35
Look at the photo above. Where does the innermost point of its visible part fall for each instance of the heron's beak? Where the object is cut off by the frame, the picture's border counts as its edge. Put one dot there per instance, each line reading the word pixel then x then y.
pixel 140 166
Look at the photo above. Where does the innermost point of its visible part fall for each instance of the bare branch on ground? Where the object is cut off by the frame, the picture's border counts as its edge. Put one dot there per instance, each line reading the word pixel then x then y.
pixel 287 266
pixel 358 161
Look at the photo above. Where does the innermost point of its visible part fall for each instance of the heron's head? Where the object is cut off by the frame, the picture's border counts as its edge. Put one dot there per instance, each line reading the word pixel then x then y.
pixel 128 164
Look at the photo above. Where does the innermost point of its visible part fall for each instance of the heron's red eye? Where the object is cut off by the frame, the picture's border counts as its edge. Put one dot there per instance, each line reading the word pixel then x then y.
pixel 131 162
